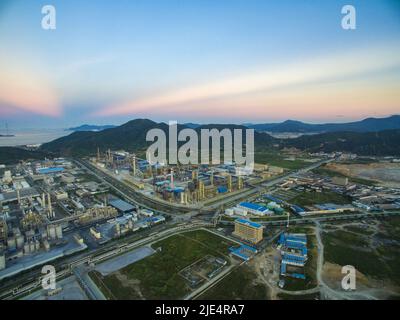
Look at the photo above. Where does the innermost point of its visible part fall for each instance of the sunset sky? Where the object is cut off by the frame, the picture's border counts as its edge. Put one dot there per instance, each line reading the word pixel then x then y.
pixel 201 61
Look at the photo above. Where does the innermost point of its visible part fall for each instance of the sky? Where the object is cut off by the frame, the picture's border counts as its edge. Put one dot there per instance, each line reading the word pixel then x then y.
pixel 205 61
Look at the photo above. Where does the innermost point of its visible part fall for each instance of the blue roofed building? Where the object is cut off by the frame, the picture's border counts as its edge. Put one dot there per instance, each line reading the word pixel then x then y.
pixel 272 198
pixel 49 170
pixel 293 247
pixel 254 208
pixel 298 210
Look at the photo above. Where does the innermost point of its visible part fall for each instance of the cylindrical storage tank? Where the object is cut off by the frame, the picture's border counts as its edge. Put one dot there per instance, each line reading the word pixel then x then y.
pixel 26 248
pixel 32 246
pixel 59 232
pixel 2 261
pixel 20 241
pixel 117 229
pixel 11 243
pixel 37 245
pixel 52 232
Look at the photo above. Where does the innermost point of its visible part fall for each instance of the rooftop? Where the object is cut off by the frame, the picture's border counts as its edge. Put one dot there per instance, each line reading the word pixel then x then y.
pixel 121 205
pixel 249 223
pixel 253 206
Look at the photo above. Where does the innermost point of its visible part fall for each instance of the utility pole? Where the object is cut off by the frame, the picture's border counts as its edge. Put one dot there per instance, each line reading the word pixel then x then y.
pixel 288 218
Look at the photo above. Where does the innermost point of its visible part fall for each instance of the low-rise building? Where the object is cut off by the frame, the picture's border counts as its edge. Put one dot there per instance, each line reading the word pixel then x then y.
pixel 254 208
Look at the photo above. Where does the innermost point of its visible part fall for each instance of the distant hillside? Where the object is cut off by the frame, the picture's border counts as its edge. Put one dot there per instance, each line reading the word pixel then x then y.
pixel 132 137
pixel 89 127
pixel 366 143
pixel 11 155
pixel 366 125
pixel 129 136
pixel 191 125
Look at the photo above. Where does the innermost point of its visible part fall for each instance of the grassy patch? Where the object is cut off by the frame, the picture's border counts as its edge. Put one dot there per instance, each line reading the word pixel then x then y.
pixel 359 230
pixel 239 284
pixel 311 296
pixel 313 197
pixel 344 248
pixel 157 276
pixel 278 160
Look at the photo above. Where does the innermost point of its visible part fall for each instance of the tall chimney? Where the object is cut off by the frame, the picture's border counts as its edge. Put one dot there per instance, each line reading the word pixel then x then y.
pixel 50 206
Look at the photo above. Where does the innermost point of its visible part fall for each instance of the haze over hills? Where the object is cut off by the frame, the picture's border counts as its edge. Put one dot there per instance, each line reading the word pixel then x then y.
pixel 131 136
pixel 366 125
pixel 90 127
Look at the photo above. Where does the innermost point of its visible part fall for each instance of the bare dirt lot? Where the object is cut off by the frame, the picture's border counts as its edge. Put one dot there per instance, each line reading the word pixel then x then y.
pixel 387 174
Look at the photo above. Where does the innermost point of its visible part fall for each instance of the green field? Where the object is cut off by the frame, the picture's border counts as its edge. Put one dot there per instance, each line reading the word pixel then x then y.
pixel 312 197
pixel 157 276
pixel 277 159
pixel 240 284
pixel 311 296
pixel 381 260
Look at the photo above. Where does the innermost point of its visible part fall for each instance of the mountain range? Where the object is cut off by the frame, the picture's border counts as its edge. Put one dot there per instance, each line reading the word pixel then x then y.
pixel 366 125
pixel 131 136
pixel 90 127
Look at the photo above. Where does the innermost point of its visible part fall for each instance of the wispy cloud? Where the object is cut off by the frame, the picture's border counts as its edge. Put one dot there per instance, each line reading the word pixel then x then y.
pixel 82 64
pixel 27 90
pixel 338 66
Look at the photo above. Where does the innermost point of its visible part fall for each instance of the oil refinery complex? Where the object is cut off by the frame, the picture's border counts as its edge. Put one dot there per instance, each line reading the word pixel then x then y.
pixel 104 213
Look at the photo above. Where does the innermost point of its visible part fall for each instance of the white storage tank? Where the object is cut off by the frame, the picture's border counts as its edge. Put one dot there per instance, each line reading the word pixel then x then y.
pixel 26 248
pixel 51 230
pixel 59 232
pixel 11 243
pixel 20 241
pixel 37 245
pixel 2 261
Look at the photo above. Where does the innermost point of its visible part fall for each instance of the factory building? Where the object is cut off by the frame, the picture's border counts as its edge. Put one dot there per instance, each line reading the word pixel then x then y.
pixel 97 213
pixel 253 208
pixel 49 170
pixel 146 212
pixel 54 232
pixel 298 210
pixel 293 247
pixel 122 206
pixel 248 230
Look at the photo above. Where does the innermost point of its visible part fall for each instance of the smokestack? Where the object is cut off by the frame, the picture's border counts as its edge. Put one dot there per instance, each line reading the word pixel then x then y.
pixel 43 200
pixel 18 196
pixel 49 206
pixel 172 178
pixel 134 165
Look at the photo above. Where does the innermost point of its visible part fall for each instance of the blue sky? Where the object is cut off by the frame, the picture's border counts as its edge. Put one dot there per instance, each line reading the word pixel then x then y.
pixel 111 61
